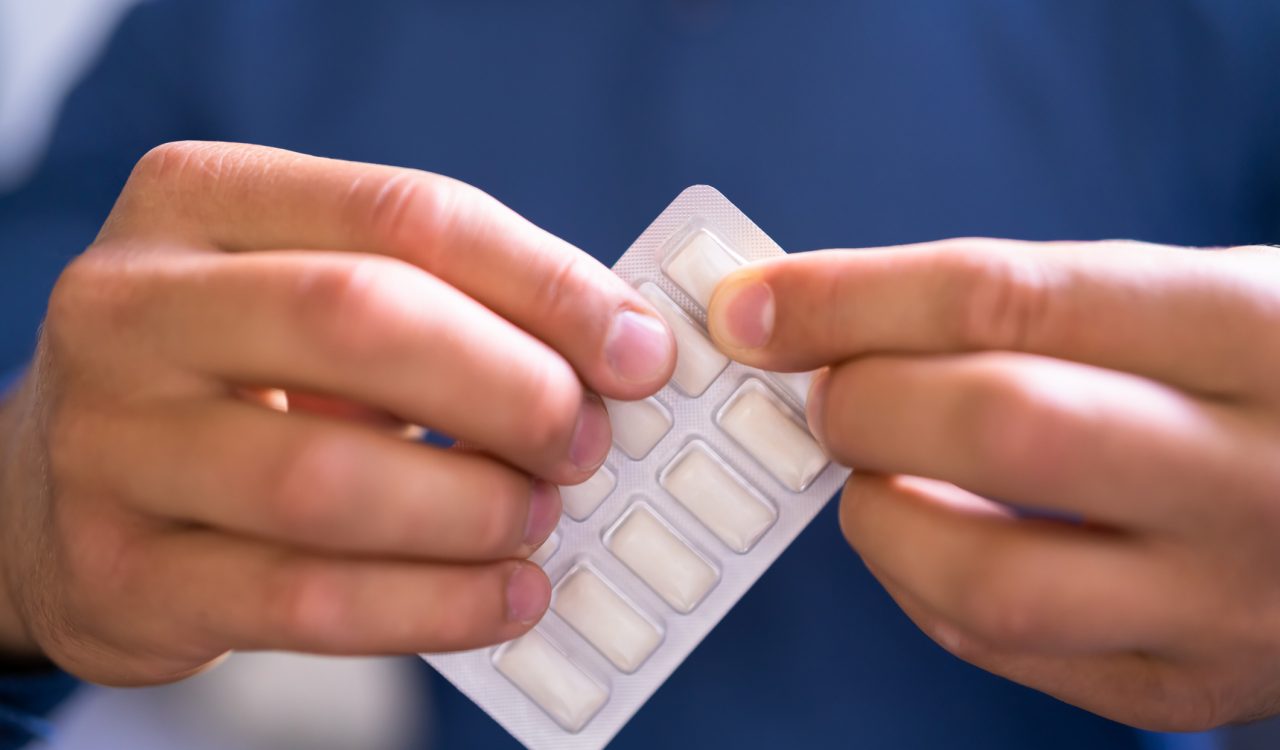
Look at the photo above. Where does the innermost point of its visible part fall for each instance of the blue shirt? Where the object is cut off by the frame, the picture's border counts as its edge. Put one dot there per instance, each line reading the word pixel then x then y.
pixel 848 123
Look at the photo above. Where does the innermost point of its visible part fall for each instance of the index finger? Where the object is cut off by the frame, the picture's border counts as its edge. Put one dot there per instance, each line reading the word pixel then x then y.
pixel 1188 317
pixel 236 197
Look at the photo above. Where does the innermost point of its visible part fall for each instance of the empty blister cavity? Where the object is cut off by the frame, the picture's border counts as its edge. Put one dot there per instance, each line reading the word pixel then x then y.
pixel 637 425
pixel 718 497
pixel 602 617
pixel 581 500
pixel 698 264
pixel 698 361
pixel 764 426
pixel 661 559
pixel 545 674
pixel 548 548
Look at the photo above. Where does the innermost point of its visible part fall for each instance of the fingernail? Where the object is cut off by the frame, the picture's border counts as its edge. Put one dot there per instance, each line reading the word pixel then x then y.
pixel 743 315
pixel 637 347
pixel 528 594
pixel 816 405
pixel 591 436
pixel 544 513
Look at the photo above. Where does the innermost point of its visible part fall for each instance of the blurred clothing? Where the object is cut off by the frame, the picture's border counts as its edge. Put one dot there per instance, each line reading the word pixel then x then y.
pixel 846 124
pixel 25 698
pixel 255 701
pixel 44 47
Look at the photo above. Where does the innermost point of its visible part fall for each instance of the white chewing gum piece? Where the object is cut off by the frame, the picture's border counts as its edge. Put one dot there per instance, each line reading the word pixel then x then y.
pixel 698 361
pixel 661 559
pixel 581 500
pixel 605 619
pixel 545 552
pixel 764 427
pixel 718 497
pixel 699 264
pixel 637 425
pixel 546 675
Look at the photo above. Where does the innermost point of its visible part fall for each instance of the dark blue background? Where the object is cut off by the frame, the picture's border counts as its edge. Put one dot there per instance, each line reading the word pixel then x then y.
pixel 830 123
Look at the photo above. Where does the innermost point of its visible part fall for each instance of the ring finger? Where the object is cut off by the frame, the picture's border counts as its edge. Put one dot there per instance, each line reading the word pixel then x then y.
pixel 1033 585
pixel 314 482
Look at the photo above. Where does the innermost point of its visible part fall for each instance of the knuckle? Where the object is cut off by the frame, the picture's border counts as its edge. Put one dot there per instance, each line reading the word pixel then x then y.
pixel 1011 424
pixel 349 310
pixel 411 209
pixel 88 294
pixel 100 561
pixel 1211 705
pixel 304 496
pixel 959 644
pixel 169 167
pixel 559 291
pixel 1178 703
pixel 107 292
pixel 993 600
pixel 1245 706
pixel 77 286
pixel 164 163
pixel 1000 611
pixel 1004 301
pixel 307 604
pixel 554 401
pixel 72 448
pixel 1198 716
pixel 174 163
pixel 66 441
pixel 499 524
pixel 175 183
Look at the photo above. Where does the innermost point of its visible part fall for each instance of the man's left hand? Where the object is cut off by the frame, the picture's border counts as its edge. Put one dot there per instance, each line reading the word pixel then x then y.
pixel 1068 455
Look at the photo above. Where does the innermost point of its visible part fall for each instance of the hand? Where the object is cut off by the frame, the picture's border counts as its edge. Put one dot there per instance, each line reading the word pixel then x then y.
pixel 1127 393
pixel 159 508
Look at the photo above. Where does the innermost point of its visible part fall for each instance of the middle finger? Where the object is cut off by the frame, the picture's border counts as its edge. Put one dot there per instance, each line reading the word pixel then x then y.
pixel 379 332
pixel 1039 432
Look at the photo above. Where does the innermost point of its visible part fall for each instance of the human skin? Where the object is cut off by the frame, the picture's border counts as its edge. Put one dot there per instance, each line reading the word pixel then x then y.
pixel 210 452
pixel 1129 394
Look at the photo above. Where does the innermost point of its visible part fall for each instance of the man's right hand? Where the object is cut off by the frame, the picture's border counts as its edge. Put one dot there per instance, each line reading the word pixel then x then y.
pixel 160 507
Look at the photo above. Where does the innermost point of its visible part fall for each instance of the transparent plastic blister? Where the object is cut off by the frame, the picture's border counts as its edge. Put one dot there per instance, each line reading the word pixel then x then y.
pixel 706 484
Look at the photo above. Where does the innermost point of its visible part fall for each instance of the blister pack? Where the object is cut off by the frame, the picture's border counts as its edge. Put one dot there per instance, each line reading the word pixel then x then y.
pixel 706 484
